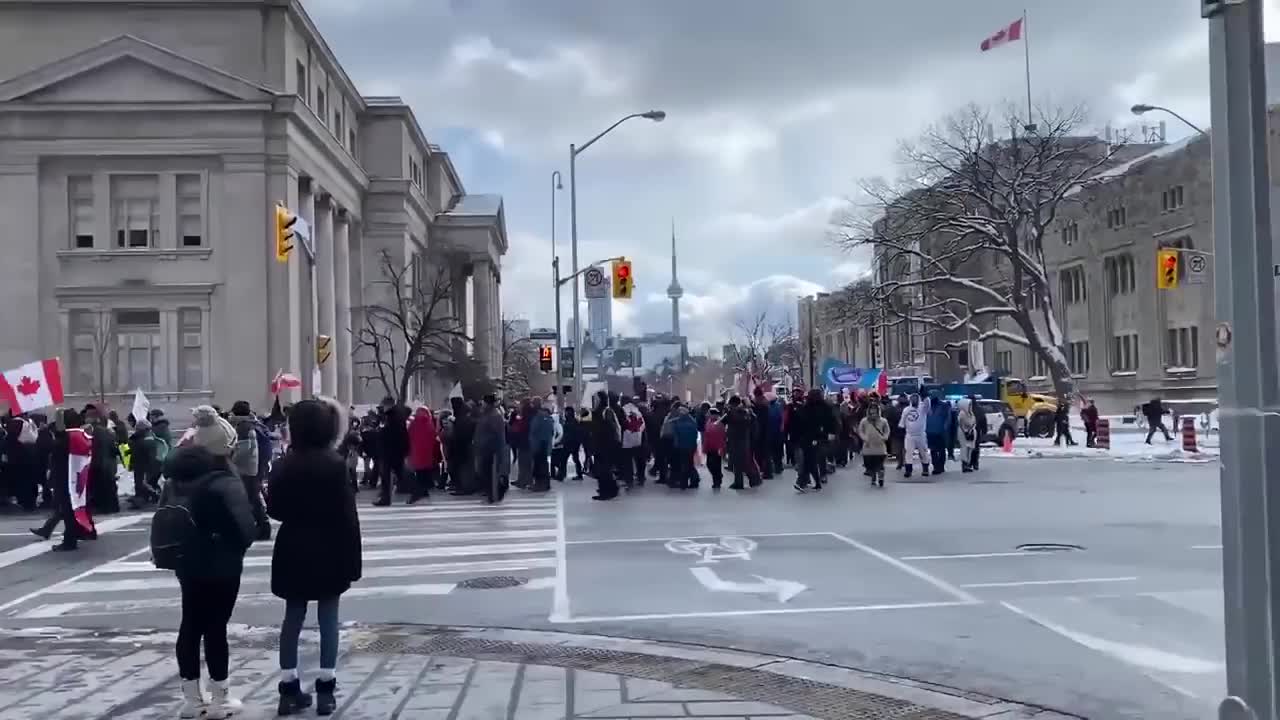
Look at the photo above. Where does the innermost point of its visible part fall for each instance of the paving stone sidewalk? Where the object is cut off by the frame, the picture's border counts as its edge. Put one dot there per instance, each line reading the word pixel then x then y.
pixel 471 674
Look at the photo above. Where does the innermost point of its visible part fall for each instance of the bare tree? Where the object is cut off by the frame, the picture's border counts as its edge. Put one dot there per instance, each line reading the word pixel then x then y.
pixel 413 331
pixel 519 363
pixel 959 241
pixel 766 349
pixel 103 337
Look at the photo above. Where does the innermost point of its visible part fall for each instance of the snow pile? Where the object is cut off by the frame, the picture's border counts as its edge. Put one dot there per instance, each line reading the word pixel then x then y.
pixel 1130 448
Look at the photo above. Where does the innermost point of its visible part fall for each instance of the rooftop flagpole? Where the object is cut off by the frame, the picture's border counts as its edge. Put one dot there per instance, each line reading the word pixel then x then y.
pixel 1026 55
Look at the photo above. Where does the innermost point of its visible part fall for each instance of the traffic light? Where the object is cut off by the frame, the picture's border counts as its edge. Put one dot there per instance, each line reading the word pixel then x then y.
pixel 1167 269
pixel 544 358
pixel 285 235
pixel 622 284
pixel 324 349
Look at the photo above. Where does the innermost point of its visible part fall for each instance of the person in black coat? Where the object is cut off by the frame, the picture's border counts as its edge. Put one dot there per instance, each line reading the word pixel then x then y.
pixel 59 482
pixel 209 573
pixel 317 553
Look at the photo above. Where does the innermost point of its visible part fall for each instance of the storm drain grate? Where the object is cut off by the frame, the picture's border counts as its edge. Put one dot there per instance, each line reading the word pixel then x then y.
pixel 816 699
pixel 1049 547
pixel 492 582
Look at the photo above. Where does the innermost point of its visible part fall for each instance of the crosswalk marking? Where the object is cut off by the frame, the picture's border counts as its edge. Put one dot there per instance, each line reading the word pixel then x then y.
pixel 417 550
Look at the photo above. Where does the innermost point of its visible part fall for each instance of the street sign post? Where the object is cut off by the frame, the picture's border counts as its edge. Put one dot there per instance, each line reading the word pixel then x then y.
pixel 1197 269
pixel 596 283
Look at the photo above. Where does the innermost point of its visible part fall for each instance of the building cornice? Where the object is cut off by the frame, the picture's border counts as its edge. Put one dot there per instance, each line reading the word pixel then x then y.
pixel 299 14
pixel 98 108
pixel 130 290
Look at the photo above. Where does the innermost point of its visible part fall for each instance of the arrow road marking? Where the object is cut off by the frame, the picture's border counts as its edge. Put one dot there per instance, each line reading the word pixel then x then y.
pixel 784 589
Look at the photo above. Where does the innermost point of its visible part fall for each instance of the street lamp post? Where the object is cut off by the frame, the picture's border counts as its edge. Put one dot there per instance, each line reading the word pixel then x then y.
pixel 574 152
pixel 1143 108
pixel 555 282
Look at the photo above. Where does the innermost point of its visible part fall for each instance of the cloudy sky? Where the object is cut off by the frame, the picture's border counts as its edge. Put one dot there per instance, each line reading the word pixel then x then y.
pixel 775 110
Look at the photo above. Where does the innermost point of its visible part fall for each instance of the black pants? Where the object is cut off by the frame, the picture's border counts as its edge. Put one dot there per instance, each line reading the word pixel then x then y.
pixel 683 474
pixel 606 481
pixel 1090 435
pixel 764 463
pixel 253 487
pixel 392 467
pixel 63 514
pixel 639 458
pixel 424 480
pixel 1152 427
pixel 714 468
pixel 206 607
pixel 810 460
pixel 541 469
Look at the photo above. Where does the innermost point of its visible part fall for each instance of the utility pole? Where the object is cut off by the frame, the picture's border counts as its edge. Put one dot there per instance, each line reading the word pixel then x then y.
pixel 1248 383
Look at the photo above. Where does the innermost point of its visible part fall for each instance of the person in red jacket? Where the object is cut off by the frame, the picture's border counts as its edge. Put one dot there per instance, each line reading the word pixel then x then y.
pixel 424 453
pixel 713 442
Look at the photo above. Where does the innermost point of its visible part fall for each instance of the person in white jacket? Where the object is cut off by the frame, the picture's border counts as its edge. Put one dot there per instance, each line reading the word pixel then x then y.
pixel 631 465
pixel 913 424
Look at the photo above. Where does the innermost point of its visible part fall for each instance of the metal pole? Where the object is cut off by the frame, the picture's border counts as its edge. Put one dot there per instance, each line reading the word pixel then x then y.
pixel 555 287
pixel 577 311
pixel 1026 56
pixel 1248 386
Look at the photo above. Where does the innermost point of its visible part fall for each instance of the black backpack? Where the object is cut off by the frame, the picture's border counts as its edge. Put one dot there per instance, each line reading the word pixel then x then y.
pixel 177 540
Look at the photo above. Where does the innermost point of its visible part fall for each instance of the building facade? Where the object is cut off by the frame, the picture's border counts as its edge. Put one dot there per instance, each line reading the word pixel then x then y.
pixel 144 146
pixel 826 331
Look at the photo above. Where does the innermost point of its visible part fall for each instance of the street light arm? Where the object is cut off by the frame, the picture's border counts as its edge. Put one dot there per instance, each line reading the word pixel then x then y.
pixel 574 276
pixel 581 148
pixel 1142 108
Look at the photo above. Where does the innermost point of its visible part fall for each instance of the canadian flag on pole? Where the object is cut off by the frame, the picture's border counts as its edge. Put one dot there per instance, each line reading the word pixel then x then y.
pixel 284 381
pixel 1007 34
pixel 33 386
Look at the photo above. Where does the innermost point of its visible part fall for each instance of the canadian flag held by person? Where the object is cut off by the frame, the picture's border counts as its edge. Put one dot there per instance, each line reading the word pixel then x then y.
pixel 284 381
pixel 79 453
pixel 33 386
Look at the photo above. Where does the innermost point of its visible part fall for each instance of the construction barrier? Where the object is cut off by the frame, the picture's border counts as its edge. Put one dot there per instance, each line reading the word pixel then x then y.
pixel 1103 439
pixel 1189 434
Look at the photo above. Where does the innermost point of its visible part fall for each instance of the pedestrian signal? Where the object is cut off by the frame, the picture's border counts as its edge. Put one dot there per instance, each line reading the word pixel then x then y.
pixel 544 358
pixel 622 283
pixel 1167 269
pixel 285 233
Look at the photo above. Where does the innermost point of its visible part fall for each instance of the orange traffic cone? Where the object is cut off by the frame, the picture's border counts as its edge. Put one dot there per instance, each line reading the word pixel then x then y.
pixel 1008 443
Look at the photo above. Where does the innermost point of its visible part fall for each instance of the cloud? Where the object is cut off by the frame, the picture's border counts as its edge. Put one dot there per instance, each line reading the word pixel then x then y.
pixel 775 111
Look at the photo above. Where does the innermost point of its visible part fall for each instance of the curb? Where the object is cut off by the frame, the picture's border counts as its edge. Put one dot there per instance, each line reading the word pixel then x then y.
pixel 825 691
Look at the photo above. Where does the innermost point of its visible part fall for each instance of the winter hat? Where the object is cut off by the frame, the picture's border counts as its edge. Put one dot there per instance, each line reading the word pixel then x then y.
pixel 142 425
pixel 212 432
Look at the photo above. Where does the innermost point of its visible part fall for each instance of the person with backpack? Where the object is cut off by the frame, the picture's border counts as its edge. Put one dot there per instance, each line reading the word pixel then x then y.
pixel 201 530
pixel 317 554
pixel 252 458
pixel 144 464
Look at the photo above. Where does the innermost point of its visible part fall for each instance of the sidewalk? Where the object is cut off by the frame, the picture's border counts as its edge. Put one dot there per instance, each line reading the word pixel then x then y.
pixel 433 673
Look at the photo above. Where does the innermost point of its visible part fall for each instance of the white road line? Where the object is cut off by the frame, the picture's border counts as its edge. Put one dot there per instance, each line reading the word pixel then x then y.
pixel 964 597
pixel 68 581
pixel 452 537
pixel 26 552
pixel 1072 581
pixel 772 611
pixel 964 556
pixel 560 598
pixel 603 541
pixel 1206 547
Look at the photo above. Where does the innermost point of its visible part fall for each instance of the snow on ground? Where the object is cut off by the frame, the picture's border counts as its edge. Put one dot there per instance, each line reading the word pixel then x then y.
pixel 1124 448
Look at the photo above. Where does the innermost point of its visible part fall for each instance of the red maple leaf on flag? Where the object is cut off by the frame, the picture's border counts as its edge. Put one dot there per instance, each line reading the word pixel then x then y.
pixel 28 386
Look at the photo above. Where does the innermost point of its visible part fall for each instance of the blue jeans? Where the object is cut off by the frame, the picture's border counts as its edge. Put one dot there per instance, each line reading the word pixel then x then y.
pixel 295 612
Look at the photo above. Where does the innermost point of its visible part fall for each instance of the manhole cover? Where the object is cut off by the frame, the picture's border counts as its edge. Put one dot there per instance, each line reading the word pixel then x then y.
pixel 492 582
pixel 1049 547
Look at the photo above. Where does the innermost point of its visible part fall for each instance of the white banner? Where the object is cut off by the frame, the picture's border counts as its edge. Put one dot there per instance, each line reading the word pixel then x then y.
pixel 141 405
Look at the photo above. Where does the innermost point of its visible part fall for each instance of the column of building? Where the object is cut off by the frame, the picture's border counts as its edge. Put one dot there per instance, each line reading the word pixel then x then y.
pixel 342 232
pixel 326 312
pixel 495 310
pixel 482 288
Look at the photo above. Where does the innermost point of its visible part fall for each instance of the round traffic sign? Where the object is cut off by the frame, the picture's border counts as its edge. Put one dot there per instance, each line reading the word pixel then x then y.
pixel 1197 263
pixel 594 276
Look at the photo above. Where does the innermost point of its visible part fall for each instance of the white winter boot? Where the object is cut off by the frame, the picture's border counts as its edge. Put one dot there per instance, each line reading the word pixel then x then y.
pixel 193 702
pixel 221 704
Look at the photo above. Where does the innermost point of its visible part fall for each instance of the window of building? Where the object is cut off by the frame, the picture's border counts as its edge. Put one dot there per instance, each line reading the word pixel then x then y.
pixel 337 123
pixel 191 350
pixel 190 205
pixel 351 142
pixel 138 349
pixel 1172 199
pixel 1039 368
pixel 415 173
pixel 1182 348
pixel 1124 353
pixel 1078 357
pixel 300 81
pixel 1004 360
pixel 80 197
pixel 1117 217
pixel 1070 233
pixel 320 106
pixel 1072 285
pixel 1121 276
pixel 87 333
pixel 135 201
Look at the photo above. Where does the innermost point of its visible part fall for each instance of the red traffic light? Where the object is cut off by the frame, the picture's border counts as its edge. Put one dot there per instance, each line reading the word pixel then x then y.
pixel 544 353
pixel 1171 262
pixel 624 271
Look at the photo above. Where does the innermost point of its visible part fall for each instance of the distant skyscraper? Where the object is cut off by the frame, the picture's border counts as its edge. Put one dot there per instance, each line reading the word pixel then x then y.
pixel 674 291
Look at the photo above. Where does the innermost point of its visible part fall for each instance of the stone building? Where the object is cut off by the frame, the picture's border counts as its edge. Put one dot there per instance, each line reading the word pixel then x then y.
pixel 826 331
pixel 143 147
